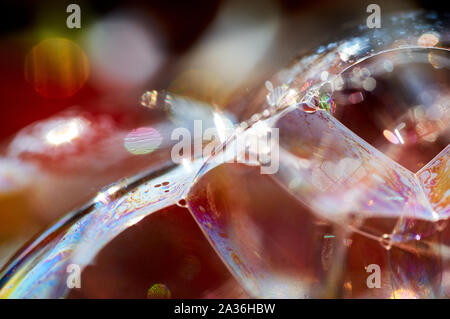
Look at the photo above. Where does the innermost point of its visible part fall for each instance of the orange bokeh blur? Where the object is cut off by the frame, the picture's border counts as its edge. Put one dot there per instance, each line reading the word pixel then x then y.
pixel 57 68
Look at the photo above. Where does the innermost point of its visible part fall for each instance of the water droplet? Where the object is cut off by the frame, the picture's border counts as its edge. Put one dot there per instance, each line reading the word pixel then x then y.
pixel 388 66
pixel 348 242
pixel 256 117
pixel 243 125
pixel 308 107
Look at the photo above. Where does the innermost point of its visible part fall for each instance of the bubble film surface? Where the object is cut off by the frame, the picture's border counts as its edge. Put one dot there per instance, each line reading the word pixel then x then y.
pixel 362 179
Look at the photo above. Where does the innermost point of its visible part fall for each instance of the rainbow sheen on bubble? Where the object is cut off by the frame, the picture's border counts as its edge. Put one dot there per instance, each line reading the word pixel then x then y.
pixel 142 140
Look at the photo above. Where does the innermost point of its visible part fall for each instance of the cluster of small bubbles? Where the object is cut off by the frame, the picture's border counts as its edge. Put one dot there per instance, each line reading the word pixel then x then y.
pixel 159 291
pixel 365 72
pixel 162 184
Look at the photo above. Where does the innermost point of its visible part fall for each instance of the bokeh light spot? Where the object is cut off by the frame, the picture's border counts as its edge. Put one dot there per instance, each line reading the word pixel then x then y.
pixel 57 68
pixel 143 140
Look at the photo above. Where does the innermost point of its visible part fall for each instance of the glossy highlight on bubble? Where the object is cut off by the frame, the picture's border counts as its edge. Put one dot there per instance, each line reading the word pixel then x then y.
pixel 57 68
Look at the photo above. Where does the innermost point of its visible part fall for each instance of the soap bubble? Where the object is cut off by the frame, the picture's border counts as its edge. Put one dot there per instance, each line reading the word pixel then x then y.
pixel 344 196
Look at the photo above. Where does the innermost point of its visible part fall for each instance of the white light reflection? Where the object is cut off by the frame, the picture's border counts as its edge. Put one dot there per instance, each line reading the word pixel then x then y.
pixel 400 138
